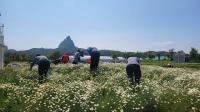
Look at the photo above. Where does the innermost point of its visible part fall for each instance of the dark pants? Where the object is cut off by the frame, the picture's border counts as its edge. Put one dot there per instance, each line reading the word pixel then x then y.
pixel 95 56
pixel 133 70
pixel 43 68
pixel 76 60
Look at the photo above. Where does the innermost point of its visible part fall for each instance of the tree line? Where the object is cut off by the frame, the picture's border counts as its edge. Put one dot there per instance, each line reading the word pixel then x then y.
pixel 193 55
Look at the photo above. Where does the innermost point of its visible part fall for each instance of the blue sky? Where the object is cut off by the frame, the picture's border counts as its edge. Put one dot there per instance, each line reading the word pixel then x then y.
pixel 126 25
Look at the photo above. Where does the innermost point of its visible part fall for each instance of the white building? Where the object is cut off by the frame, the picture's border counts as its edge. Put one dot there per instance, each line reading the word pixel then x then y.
pixel 2 47
pixel 179 57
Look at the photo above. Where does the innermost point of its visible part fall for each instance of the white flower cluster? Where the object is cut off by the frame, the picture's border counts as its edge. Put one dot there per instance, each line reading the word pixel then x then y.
pixel 72 88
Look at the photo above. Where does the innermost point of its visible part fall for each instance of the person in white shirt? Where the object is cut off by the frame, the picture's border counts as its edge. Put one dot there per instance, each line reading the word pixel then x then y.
pixel 133 69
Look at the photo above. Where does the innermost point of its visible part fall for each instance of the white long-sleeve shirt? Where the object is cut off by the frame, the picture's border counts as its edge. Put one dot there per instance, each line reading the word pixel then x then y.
pixel 133 60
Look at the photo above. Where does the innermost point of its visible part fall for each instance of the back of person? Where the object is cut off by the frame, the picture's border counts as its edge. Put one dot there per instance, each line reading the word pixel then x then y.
pixel 76 58
pixel 95 56
pixel 133 69
pixel 43 65
pixel 39 59
pixel 133 60
pixel 65 58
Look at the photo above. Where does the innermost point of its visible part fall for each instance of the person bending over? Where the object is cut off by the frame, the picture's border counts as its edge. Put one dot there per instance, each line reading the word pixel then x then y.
pixel 133 69
pixel 43 65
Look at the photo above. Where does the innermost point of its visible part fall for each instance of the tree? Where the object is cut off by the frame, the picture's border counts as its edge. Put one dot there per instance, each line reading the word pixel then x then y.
pixel 6 61
pixel 199 58
pixel 139 55
pixel 159 56
pixel 18 57
pixel 171 54
pixel 151 56
pixel 126 55
pixel 55 55
pixel 114 55
pixel 194 54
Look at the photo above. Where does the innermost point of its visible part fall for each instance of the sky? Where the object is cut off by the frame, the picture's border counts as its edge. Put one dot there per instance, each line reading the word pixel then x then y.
pixel 125 25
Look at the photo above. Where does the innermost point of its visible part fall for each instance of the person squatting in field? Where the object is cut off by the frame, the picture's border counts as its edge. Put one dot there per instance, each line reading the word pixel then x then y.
pixel 77 56
pixel 65 58
pixel 95 56
pixel 43 65
pixel 133 69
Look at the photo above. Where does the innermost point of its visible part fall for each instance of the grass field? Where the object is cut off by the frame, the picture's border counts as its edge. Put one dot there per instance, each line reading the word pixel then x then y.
pixel 176 65
pixel 73 89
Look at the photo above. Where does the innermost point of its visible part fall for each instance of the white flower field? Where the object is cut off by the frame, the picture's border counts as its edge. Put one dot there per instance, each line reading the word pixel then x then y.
pixel 72 88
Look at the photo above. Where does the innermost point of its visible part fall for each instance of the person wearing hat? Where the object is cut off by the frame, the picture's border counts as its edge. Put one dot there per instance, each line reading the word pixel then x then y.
pixel 95 56
pixel 133 69
pixel 43 65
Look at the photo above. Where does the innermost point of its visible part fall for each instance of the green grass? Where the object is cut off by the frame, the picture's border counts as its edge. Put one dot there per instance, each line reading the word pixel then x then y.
pixel 152 62
pixel 165 64
pixel 188 65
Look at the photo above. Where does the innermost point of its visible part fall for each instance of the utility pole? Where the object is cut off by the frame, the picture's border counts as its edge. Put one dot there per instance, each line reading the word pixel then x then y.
pixel 2 46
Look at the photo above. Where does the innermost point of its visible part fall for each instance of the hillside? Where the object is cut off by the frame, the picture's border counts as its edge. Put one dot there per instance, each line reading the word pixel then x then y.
pixel 68 45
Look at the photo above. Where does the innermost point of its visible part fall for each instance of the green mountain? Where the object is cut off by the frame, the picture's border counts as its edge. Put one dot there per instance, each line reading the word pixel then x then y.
pixel 67 45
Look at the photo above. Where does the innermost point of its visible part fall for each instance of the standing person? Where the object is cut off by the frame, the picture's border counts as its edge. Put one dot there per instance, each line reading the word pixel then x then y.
pixel 133 69
pixel 43 65
pixel 65 58
pixel 95 56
